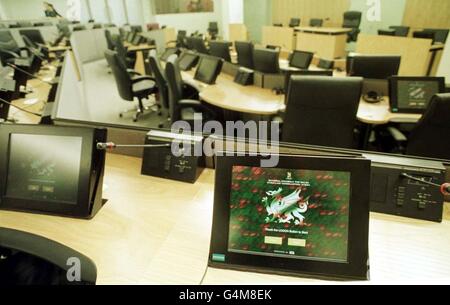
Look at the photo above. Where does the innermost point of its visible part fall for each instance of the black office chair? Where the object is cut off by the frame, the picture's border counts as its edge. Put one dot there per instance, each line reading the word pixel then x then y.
pixel 180 107
pixel 109 40
pixel 352 20
pixel 34 35
pixel 130 87
pixel 400 31
pixel 440 35
pixel 424 35
pixel 189 42
pixel 213 30
pixel 136 28
pixel 199 45
pixel 128 58
pixel 294 22
pixel 390 32
pixel 429 138
pixel 316 22
pixel 181 36
pixel 79 28
pixel 322 110
pixel 9 49
pixel 244 51
pixel 220 49
pixel 161 81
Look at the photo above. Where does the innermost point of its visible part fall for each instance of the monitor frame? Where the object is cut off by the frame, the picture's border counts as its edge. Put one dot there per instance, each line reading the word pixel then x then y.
pixel 262 68
pixel 90 179
pixel 351 63
pixel 192 64
pixel 393 92
pixel 357 265
pixel 217 71
pixel 309 60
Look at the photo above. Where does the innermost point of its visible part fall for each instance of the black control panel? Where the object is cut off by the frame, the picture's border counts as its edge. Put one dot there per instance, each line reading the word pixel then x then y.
pixel 176 162
pixel 393 193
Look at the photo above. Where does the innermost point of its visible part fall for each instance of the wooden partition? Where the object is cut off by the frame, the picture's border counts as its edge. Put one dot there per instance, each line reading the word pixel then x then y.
pixel 331 11
pixel 427 14
pixel 238 32
pixel 415 52
pixel 279 36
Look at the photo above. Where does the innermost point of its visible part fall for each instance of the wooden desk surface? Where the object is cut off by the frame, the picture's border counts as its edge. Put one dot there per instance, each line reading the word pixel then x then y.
pixel 231 96
pixel 141 47
pixel 322 30
pixel 148 233
pixel 380 113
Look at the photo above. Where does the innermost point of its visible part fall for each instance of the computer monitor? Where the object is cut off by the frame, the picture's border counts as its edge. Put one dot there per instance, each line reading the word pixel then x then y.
pixel 34 35
pixel 413 94
pixel 199 45
pixel 130 36
pixel 137 40
pixel 63 176
pixel 305 216
pixel 266 60
pixel 301 59
pixel 187 61
pixel 208 69
pixel 373 66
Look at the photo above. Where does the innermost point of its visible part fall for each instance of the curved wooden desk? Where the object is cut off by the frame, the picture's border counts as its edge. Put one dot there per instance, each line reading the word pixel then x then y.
pixel 148 233
pixel 380 113
pixel 228 95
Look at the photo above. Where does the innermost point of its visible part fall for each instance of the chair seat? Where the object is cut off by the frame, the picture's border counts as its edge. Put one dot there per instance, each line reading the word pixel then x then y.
pixel 144 87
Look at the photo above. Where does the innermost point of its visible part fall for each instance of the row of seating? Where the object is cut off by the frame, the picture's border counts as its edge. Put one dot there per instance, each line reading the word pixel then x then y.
pixel 437 35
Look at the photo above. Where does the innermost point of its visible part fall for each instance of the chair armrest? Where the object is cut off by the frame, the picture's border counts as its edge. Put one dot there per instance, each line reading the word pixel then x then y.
pixel 133 72
pixel 397 134
pixel 14 55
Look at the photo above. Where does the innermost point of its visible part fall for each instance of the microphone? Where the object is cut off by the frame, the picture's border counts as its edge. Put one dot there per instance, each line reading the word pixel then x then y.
pixel 445 188
pixel 20 108
pixel 111 146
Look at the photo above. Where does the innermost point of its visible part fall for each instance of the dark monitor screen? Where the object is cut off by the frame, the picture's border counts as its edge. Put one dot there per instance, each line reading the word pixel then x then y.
pixel 168 52
pixel 413 94
pixel 304 216
pixel 373 66
pixel 187 61
pixel 301 59
pixel 208 69
pixel 51 169
pixel 266 60
pixel 47 172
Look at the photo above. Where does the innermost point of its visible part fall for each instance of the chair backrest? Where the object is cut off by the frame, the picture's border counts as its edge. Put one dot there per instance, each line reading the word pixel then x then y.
pixel 401 31
pixel 386 32
pixel 136 28
pixel 322 110
pixel 28 43
pixel 109 40
pixel 160 78
pixel 424 35
pixel 440 35
pixel 352 19
pixel 244 51
pixel 316 22
pixel 119 47
pixel 294 22
pixel 220 49
pixel 34 35
pixel 199 45
pixel 189 43
pixel 7 42
pixel 326 64
pixel 121 76
pixel 175 86
pixel 430 136
pixel 79 28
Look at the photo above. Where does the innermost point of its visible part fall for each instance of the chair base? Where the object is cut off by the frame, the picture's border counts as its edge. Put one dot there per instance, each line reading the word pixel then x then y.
pixel 141 110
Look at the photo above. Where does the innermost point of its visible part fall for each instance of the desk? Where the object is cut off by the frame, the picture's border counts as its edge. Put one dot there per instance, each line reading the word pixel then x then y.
pixel 149 234
pixel 380 113
pixel 228 95
pixel 328 43
pixel 282 37
pixel 139 50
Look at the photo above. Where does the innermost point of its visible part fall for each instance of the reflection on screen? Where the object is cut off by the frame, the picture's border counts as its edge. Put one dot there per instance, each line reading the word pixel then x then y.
pixel 289 213
pixel 43 167
pixel 416 94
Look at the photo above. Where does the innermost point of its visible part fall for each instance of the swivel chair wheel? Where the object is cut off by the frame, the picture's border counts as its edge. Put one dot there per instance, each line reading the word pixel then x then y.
pixel 120 115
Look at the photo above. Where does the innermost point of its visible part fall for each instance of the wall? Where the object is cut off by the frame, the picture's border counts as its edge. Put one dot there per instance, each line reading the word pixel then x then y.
pixel 391 14
pixel 193 21
pixel 444 66
pixel 427 14
pixel 257 13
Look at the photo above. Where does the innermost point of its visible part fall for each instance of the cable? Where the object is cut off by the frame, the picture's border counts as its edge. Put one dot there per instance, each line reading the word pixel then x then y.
pixel 204 275
pixel 445 188
pixel 20 108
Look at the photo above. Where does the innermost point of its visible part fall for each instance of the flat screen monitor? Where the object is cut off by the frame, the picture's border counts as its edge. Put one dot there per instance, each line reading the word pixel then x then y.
pixel 413 94
pixel 208 69
pixel 137 40
pixel 373 66
pixel 266 60
pixel 62 177
pixel 187 61
pixel 301 59
pixel 305 216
